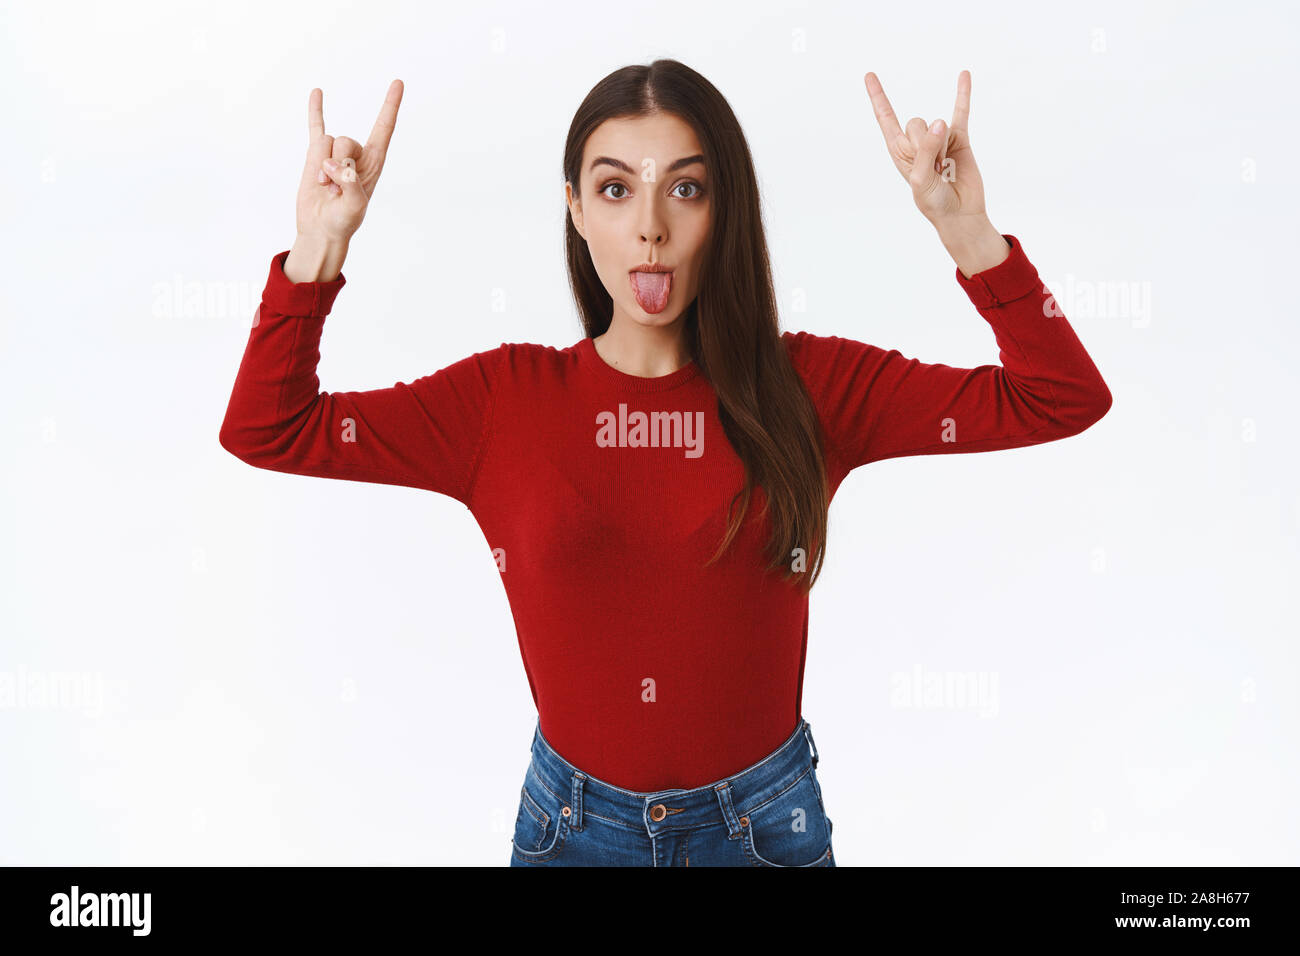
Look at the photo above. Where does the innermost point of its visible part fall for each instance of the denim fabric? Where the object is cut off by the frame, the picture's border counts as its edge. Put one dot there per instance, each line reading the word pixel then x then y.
pixel 769 814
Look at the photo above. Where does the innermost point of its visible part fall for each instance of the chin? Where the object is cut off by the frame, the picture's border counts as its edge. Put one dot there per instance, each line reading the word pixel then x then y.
pixel 666 317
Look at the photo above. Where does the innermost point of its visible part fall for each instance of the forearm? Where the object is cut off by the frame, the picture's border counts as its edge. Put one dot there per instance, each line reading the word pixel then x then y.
pixel 315 260
pixel 973 244
pixel 277 375
pixel 879 403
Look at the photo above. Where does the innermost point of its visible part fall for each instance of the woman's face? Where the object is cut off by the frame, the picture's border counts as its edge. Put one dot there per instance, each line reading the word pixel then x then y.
pixel 644 198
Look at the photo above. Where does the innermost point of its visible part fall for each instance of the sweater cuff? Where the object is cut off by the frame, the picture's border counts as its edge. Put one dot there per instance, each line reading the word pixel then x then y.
pixel 298 298
pixel 1012 278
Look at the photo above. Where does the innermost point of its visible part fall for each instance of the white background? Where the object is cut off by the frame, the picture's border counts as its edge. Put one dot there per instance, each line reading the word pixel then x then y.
pixel 304 671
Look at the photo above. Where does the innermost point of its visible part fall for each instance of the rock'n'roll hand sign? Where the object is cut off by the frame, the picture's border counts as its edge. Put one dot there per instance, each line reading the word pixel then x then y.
pixel 340 175
pixel 937 161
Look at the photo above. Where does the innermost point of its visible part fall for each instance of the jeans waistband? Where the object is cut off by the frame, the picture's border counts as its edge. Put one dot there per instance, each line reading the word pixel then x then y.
pixel 731 797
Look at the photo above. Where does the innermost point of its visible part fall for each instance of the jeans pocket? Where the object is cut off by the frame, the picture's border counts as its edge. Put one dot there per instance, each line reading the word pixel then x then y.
pixel 541 825
pixel 791 829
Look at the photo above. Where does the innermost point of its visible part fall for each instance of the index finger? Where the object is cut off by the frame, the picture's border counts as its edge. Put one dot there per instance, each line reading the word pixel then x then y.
pixel 387 121
pixel 318 144
pixel 961 111
pixel 884 112
pixel 315 116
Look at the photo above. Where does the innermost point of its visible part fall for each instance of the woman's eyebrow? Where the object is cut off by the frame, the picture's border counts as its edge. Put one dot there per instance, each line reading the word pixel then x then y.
pixel 619 164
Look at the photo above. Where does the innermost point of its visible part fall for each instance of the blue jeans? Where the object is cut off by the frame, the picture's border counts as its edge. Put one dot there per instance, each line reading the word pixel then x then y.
pixel 769 814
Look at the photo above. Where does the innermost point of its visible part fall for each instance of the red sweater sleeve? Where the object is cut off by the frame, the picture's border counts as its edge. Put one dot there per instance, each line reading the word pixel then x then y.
pixel 877 404
pixel 425 434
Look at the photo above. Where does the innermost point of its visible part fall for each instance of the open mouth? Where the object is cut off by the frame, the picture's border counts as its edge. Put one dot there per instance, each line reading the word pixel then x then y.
pixel 651 289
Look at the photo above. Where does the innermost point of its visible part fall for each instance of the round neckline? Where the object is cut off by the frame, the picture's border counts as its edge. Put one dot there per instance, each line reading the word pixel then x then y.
pixel 637 383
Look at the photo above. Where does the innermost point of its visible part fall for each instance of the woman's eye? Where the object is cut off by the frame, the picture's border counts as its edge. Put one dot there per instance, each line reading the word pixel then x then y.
pixel 617 185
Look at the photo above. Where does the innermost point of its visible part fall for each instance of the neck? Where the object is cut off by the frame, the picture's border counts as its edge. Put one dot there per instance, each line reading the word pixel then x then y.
pixel 644 352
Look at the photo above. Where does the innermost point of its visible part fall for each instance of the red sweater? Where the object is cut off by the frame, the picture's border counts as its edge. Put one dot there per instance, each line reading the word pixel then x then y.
pixel 648 671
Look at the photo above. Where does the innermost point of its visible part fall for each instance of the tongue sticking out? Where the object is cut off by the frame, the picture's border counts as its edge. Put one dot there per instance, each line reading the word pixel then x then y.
pixel 651 289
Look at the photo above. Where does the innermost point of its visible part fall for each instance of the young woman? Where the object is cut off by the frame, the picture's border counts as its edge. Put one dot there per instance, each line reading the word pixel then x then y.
pixel 656 495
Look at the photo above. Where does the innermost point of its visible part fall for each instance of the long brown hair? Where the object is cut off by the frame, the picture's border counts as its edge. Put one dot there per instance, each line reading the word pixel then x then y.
pixel 731 327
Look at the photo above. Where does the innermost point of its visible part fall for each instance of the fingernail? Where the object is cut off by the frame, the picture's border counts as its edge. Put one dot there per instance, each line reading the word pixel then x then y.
pixel 936 126
pixel 321 177
pixel 330 165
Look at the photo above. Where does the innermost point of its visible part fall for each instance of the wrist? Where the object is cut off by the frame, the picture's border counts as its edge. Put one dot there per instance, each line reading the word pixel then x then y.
pixel 315 259
pixel 974 244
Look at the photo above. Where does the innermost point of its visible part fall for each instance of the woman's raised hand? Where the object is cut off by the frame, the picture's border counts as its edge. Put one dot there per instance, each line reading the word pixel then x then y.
pixel 937 162
pixel 340 175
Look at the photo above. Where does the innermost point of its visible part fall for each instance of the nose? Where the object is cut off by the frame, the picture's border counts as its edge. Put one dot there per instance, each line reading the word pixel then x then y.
pixel 653 230
pixel 652 226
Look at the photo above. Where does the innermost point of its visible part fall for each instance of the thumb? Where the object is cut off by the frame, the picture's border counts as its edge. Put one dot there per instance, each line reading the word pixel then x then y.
pixel 345 176
pixel 927 154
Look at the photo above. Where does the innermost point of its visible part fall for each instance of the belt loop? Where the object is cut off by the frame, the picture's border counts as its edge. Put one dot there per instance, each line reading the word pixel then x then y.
pixel 575 800
pixel 807 732
pixel 723 790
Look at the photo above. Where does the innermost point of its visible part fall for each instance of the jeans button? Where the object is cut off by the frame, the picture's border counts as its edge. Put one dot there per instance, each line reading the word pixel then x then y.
pixel 658 812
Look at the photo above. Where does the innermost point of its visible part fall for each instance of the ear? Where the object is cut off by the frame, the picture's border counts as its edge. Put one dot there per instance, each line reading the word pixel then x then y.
pixel 575 208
